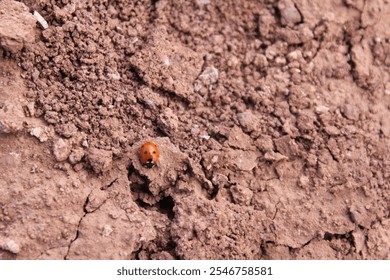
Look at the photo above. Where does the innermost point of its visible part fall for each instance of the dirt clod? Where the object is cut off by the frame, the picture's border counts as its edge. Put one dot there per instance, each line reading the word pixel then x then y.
pixel 100 160
pixel 168 65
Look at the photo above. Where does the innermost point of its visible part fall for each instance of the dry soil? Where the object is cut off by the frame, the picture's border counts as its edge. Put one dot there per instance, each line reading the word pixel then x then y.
pixel 272 119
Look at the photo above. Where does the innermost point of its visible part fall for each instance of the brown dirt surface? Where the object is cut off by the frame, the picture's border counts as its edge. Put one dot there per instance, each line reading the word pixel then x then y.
pixel 272 120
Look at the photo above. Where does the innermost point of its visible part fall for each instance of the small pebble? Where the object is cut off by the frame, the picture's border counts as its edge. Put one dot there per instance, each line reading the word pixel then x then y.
pixel 288 11
pixel 107 230
pixel 61 150
pixel 41 20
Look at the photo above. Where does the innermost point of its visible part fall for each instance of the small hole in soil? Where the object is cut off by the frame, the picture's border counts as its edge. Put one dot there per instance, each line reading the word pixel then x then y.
pixel 214 192
pixel 306 144
pixel 166 205
pixel 142 204
pixel 328 236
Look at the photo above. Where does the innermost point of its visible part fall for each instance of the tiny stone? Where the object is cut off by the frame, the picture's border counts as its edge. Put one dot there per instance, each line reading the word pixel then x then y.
pixel 115 76
pixel 61 150
pixel 76 156
pixel 204 135
pixel 203 2
pixel 272 156
pixel 332 130
pixel 294 55
pixel 197 86
pixel 209 76
pixel 150 104
pixel 77 167
pixel 85 144
pixel 321 109
pixel 280 61
pixel 290 14
pixel 41 20
pixel 39 133
pixel 304 181
pixel 219 179
pixel 114 214
pixel 350 112
pixel 10 246
pixel 107 230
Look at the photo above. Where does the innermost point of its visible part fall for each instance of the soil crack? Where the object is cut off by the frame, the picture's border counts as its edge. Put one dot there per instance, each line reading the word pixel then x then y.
pixel 78 226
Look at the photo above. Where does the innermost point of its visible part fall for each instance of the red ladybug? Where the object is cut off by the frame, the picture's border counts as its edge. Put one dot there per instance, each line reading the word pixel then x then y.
pixel 148 154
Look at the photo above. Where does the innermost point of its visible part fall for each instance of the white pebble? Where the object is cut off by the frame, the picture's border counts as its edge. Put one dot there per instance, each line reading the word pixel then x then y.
pixel 41 20
pixel 39 133
pixel 61 150
pixel 209 76
pixel 10 246
pixel 107 230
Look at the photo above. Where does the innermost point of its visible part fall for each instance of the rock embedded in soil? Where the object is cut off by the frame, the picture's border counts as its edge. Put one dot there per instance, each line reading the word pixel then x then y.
pixel 242 160
pixel 10 246
pixel 42 22
pixel 11 114
pixel 303 34
pixel 208 77
pixel 361 216
pixel 219 179
pixel 61 149
pixel 66 12
pixel 290 14
pixel 40 133
pixel 350 111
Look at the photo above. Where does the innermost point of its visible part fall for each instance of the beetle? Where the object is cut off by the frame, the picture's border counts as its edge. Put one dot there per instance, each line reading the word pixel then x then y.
pixel 149 154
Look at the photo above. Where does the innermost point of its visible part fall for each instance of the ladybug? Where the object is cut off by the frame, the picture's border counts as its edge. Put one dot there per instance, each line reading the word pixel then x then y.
pixel 148 154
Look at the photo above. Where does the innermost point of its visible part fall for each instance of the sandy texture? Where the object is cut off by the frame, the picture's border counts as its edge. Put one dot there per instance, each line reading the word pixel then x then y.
pixel 271 118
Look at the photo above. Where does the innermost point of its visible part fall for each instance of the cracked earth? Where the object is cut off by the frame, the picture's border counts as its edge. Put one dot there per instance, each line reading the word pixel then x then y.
pixel 271 117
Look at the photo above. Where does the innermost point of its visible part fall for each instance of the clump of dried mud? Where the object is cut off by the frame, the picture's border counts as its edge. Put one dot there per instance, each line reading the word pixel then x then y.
pixel 272 120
